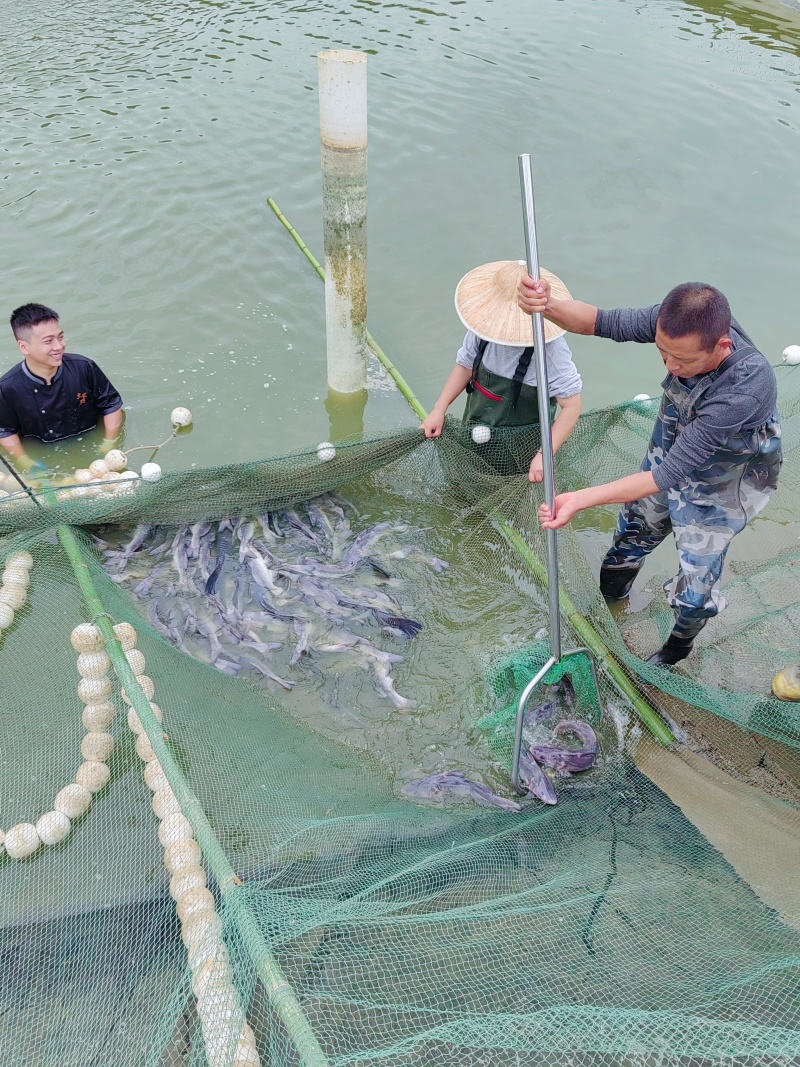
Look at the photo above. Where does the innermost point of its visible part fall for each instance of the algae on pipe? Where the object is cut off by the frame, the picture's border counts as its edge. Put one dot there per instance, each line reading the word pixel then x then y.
pixel 343 139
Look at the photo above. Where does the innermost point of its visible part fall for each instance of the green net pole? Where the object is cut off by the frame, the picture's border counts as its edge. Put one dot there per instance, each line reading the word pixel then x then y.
pixel 376 349
pixel 281 995
pixel 652 720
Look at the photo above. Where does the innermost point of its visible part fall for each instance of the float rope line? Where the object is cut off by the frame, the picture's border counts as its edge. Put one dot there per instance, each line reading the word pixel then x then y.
pixel 649 716
pixel 281 995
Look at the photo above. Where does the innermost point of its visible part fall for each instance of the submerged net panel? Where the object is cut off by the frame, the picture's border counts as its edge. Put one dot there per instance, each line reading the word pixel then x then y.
pixel 605 929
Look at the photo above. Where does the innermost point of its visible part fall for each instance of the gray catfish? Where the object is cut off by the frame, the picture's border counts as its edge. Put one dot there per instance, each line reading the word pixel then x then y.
pixel 301 629
pixel 224 542
pixel 385 684
pixel 357 550
pixel 295 521
pixel 142 533
pixel 263 669
pixel 246 532
pixel 534 779
pixel 199 531
pixel 261 572
pixel 536 715
pixel 563 692
pixel 437 787
pixel 436 564
pixel 569 759
pixel 321 521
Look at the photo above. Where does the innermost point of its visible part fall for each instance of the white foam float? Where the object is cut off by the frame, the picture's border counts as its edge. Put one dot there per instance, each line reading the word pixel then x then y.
pixel 126 635
pixel 116 460
pixel 94 664
pixel 192 876
pixel 86 637
pixel 98 716
pixel 94 690
pixel 96 746
pixel 97 468
pixel 151 472
pixel 22 840
pixel 148 688
pixel 165 803
pixel 73 800
pixel 93 775
pixel 53 827
pixel 135 660
pixel 181 854
pixel 180 416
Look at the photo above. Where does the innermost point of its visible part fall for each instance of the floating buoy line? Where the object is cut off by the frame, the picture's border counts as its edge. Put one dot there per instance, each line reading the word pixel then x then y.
pixel 227 1037
pixel 110 474
pixel 94 688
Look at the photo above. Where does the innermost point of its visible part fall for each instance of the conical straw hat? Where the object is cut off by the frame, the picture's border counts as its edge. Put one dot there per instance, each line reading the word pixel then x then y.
pixel 486 302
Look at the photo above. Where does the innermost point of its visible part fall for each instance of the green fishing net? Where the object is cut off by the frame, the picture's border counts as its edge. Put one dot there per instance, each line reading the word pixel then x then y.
pixel 603 930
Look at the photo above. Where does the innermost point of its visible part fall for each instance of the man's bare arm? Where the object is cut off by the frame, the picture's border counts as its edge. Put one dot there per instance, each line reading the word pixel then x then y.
pixel 454 386
pixel 622 491
pixel 111 424
pixel 13 445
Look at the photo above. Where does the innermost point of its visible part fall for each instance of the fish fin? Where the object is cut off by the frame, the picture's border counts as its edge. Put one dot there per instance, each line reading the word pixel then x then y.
pixel 376 567
pixel 408 626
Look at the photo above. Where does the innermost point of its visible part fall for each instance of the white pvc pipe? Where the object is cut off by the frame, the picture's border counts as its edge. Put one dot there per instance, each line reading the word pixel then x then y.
pixel 343 137
pixel 343 99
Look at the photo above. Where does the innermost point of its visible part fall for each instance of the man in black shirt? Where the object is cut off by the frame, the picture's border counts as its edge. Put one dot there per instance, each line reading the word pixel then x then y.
pixel 52 394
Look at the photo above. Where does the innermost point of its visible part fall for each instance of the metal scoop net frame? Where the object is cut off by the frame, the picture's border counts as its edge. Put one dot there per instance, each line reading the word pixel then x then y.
pixel 557 654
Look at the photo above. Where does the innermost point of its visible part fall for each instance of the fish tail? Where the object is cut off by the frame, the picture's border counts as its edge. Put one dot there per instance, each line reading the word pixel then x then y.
pixel 211 584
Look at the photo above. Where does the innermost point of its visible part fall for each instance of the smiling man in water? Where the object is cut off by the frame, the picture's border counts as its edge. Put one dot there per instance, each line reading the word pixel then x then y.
pixel 713 459
pixel 52 394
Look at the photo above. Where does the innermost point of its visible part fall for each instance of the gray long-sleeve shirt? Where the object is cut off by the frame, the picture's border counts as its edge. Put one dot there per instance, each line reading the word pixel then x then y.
pixel 737 401
pixel 562 375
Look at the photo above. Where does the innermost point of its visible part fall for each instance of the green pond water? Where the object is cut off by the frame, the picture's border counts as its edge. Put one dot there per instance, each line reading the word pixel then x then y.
pixel 139 145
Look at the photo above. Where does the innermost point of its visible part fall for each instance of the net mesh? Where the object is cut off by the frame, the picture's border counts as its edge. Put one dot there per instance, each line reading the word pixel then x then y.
pixel 603 930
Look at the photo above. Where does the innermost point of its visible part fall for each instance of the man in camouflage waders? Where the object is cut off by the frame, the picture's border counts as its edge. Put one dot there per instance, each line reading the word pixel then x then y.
pixel 713 459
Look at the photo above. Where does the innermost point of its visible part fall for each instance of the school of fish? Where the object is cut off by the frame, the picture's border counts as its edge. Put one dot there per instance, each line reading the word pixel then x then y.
pixel 233 593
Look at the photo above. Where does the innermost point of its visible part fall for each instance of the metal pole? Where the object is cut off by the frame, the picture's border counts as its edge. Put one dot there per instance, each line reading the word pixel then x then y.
pixel 532 252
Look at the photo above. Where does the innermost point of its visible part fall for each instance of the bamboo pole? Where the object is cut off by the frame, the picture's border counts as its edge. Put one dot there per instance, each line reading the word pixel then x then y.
pixel 649 716
pixel 280 993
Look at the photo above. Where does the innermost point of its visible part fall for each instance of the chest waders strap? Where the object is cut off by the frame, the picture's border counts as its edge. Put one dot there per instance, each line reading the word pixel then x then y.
pixel 519 374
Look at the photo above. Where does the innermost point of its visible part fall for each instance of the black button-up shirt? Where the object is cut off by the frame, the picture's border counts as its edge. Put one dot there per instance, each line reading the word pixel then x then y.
pixel 71 404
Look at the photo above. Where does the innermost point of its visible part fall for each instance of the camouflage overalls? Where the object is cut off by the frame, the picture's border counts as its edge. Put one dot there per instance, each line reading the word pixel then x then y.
pixel 705 512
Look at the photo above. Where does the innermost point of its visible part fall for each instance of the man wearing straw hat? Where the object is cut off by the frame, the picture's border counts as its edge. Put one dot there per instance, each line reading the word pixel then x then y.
pixel 495 363
pixel 714 455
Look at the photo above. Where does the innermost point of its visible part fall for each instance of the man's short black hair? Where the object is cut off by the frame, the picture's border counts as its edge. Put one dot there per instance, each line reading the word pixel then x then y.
pixel 23 319
pixel 695 307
